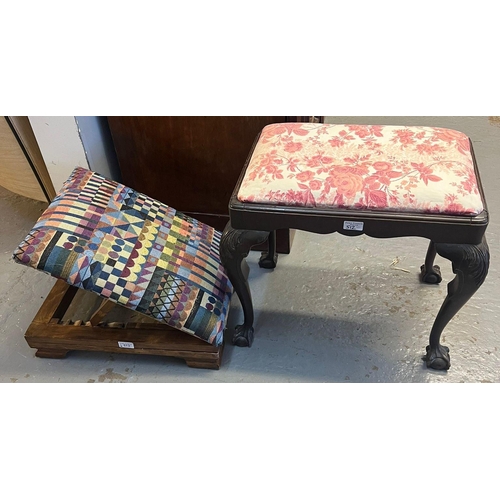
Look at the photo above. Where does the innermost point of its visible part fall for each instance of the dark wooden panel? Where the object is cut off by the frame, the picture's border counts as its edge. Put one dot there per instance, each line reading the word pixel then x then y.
pixel 190 163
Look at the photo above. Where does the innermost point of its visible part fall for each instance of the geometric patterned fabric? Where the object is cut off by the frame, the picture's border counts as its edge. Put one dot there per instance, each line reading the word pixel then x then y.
pixel 363 167
pixel 102 236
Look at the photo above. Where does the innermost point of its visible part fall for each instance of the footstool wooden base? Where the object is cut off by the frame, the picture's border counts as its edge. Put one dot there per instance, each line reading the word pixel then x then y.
pixel 155 269
pixel 54 336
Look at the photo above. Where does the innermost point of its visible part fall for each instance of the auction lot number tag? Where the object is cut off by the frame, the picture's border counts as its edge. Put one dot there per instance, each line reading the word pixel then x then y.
pixel 353 226
pixel 126 345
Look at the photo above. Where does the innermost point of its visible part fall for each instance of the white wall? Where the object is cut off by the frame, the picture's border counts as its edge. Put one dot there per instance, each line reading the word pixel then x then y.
pixel 67 142
pixel 60 145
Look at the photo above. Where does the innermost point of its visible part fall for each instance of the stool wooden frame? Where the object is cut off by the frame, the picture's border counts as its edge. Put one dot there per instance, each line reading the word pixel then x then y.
pixel 461 239
pixel 54 337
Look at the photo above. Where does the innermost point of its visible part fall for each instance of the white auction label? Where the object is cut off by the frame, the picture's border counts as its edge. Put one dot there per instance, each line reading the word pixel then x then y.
pixel 353 226
pixel 126 345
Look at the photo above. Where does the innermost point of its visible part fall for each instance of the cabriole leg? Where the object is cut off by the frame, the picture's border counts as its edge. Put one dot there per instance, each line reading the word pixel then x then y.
pixel 470 263
pixel 234 247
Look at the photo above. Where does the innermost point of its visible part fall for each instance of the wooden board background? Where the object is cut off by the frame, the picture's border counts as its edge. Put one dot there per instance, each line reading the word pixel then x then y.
pixel 16 174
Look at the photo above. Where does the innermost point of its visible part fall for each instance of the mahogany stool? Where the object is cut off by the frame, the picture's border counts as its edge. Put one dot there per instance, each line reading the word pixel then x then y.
pixel 382 181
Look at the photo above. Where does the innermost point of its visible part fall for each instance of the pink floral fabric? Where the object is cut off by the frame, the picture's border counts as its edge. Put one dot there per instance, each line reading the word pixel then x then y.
pixel 404 169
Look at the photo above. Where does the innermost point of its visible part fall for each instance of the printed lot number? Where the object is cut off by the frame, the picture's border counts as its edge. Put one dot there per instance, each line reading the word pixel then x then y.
pixel 353 226
pixel 126 345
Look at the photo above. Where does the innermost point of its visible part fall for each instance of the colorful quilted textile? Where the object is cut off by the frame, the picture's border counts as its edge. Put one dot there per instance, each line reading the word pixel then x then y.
pixel 404 169
pixel 102 236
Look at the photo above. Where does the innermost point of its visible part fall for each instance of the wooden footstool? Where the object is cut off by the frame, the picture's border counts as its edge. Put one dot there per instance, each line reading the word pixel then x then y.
pixel 382 181
pixel 135 253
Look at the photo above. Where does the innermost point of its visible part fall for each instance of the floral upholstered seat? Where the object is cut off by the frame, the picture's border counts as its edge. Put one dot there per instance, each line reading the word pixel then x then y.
pixel 102 236
pixel 403 169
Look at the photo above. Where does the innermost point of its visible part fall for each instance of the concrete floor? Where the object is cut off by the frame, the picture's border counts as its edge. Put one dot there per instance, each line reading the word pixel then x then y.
pixel 336 309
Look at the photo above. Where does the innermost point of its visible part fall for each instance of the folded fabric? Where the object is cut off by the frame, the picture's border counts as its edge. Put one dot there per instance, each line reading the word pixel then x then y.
pixel 102 236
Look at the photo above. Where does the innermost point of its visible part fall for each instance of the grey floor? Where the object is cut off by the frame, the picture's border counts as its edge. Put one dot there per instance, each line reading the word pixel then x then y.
pixel 336 309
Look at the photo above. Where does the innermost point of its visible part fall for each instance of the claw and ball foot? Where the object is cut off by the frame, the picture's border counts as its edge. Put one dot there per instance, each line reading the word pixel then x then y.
pixel 429 272
pixel 269 259
pixel 437 357
pixel 243 336
pixel 431 276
